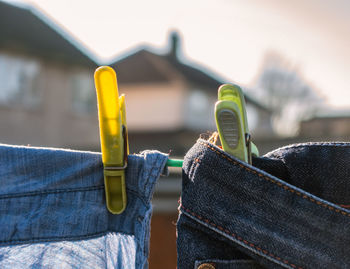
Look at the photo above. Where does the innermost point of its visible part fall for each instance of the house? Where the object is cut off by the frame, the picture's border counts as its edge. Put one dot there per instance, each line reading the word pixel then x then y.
pixel 332 126
pixel 169 101
pixel 47 94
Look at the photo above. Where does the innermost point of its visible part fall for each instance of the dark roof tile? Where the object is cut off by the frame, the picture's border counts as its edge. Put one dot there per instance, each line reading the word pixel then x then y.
pixel 139 68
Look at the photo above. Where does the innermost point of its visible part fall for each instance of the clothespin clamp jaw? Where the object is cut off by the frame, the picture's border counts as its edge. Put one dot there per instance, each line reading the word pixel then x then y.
pixel 113 137
pixel 232 124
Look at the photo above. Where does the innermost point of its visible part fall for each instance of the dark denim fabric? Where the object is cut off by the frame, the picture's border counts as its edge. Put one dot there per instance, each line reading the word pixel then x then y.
pixel 53 211
pixel 288 210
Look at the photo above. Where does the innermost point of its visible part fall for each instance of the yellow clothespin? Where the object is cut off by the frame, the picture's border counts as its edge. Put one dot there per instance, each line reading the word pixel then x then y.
pixel 113 137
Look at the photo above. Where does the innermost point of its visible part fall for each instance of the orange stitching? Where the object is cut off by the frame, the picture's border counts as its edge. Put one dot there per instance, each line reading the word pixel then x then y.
pixel 274 181
pixel 239 238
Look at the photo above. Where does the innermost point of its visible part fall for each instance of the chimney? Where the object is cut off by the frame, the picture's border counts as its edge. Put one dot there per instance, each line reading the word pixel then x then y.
pixel 174 41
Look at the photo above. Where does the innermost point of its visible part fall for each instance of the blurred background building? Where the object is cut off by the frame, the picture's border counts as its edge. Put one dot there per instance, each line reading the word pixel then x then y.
pixel 169 103
pixel 46 84
pixel 47 98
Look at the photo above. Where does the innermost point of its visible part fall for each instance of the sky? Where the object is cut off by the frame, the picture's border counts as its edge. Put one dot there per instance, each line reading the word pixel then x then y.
pixel 230 37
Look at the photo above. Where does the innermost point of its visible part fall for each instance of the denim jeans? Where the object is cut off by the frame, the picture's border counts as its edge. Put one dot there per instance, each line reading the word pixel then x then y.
pixel 53 211
pixel 290 209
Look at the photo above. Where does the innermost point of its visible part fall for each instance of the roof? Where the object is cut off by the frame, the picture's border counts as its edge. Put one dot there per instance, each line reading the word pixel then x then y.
pixel 29 30
pixel 192 74
pixel 145 66
pixel 141 67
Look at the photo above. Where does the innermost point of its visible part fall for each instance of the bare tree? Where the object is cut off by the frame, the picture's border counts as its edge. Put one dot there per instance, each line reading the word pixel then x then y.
pixel 281 87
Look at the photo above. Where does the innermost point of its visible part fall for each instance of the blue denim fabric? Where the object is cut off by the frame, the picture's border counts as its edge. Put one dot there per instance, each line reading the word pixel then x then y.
pixel 53 212
pixel 288 210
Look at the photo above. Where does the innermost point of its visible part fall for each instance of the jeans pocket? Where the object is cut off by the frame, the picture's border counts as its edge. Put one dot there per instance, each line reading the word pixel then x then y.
pixel 227 264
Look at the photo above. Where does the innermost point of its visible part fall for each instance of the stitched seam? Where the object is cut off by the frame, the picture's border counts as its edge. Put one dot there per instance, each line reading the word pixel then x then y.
pixel 55 239
pixel 147 179
pixel 62 191
pixel 144 223
pixel 19 195
pixel 277 183
pixel 194 166
pixel 312 144
pixel 222 229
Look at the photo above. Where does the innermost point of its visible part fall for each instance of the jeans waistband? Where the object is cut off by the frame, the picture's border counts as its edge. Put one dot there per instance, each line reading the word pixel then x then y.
pixel 285 215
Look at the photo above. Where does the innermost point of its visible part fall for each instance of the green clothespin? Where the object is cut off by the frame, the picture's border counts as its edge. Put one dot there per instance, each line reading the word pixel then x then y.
pixel 113 136
pixel 232 124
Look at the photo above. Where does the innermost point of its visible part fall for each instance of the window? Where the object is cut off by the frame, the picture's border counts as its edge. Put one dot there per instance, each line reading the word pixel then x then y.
pixel 199 113
pixel 83 93
pixel 19 81
pixel 198 102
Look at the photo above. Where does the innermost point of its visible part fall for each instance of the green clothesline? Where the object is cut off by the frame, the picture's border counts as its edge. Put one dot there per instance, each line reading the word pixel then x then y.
pixel 174 163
